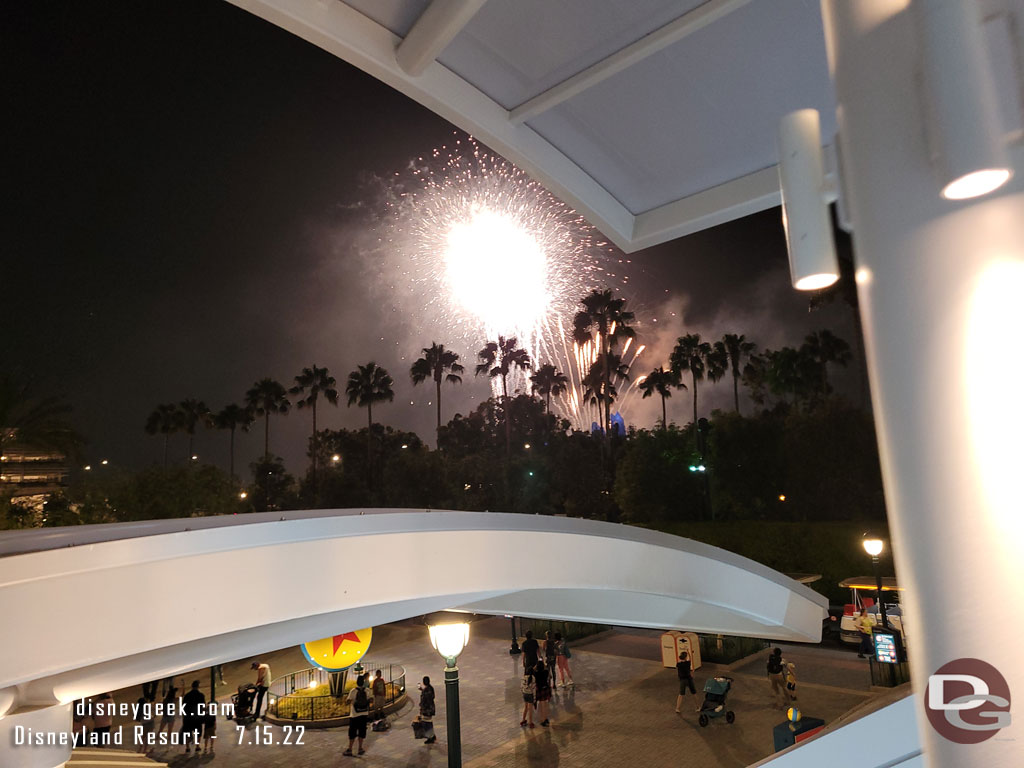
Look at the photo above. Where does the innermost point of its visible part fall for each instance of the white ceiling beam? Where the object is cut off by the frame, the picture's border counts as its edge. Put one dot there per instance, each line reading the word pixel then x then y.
pixel 732 200
pixel 344 32
pixel 700 17
pixel 433 30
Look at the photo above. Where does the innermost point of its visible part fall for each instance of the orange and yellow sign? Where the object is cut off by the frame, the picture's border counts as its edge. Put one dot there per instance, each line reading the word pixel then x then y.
pixel 339 651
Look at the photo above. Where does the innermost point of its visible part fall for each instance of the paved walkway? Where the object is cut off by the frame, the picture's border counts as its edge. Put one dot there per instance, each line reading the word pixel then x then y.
pixel 619 714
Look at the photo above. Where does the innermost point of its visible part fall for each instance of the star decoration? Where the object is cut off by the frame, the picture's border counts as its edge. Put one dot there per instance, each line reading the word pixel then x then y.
pixel 339 639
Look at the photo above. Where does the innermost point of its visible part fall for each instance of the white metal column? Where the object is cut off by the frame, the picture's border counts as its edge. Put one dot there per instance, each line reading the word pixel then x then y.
pixel 941 287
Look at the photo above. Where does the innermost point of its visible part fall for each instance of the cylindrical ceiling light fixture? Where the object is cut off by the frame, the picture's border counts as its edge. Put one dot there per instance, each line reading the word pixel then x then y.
pixel 962 120
pixel 805 216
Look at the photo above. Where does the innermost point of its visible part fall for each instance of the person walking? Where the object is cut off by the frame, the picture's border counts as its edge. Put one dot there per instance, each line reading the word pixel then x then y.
pixel 358 715
pixel 550 654
pixel 192 705
pixel 262 683
pixel 144 717
pixel 427 709
pixel 685 672
pixel 864 624
pixel 102 719
pixel 562 656
pixel 531 651
pixel 168 717
pixel 209 733
pixel 789 672
pixel 149 690
pixel 380 694
pixel 776 678
pixel 529 689
pixel 540 674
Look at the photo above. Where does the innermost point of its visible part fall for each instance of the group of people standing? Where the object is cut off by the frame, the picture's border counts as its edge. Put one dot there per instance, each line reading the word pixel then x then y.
pixel 539 675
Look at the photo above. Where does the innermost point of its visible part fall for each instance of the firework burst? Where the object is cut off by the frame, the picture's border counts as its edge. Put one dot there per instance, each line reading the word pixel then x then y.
pixel 487 251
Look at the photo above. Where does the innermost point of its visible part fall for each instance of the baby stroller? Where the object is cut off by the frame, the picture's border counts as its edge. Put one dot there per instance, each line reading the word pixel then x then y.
pixel 715 692
pixel 242 702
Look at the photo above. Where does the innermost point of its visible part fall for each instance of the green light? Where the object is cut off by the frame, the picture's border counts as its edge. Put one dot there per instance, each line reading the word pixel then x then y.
pixel 693 467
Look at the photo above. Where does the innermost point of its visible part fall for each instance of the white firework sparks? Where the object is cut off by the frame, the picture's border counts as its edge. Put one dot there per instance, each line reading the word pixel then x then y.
pixel 487 251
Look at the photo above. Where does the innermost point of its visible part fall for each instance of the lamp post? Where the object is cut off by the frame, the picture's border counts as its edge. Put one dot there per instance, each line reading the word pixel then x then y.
pixel 873 546
pixel 449 637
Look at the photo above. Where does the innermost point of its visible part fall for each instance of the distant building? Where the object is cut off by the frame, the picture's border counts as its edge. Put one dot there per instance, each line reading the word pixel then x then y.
pixel 26 471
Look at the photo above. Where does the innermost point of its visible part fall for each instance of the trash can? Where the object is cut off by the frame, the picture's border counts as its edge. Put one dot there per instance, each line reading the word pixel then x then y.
pixel 674 643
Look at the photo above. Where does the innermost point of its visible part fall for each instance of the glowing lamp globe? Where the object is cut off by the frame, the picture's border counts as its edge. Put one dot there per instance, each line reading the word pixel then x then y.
pixel 793 715
pixel 873 546
pixel 450 638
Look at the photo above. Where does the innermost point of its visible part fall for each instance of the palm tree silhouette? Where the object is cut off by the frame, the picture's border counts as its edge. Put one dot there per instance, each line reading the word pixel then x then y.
pixel 193 413
pixel 232 417
pixel 691 354
pixel 369 384
pixel 604 321
pixel 265 397
pixel 547 381
pixel 661 382
pixel 499 359
pixel 439 364
pixel 164 420
pixel 824 347
pixel 737 349
pixel 597 387
pixel 309 385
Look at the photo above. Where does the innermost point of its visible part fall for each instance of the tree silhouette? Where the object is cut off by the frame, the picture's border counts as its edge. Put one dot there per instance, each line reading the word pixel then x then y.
pixel 597 389
pixel 369 384
pixel 309 385
pixel 439 364
pixel 824 347
pixel 691 354
pixel 164 420
pixel 661 382
pixel 265 397
pixel 603 321
pixel 547 381
pixel 498 359
pixel 232 417
pixel 737 349
pixel 193 414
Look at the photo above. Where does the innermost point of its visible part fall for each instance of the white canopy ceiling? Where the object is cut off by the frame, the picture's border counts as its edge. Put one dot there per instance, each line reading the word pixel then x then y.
pixel 654 118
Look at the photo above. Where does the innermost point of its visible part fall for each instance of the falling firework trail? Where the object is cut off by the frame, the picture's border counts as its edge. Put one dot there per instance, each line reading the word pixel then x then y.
pixel 486 251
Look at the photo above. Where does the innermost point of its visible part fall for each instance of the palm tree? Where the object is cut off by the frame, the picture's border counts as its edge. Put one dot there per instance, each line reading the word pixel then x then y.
pixel 193 413
pixel 310 384
pixel 499 359
pixel 265 397
pixel 597 388
pixel 604 321
pixel 369 384
pixel 691 354
pixel 661 382
pixel 35 422
pixel 547 381
pixel 232 417
pixel 737 349
pixel 824 347
pixel 439 364
pixel 164 420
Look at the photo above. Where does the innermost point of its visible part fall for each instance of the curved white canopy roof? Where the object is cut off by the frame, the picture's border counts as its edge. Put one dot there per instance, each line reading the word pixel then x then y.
pixel 653 118
pixel 91 608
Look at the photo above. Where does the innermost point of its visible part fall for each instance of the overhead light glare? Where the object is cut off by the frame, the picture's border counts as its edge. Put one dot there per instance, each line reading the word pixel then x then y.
pixel 976 184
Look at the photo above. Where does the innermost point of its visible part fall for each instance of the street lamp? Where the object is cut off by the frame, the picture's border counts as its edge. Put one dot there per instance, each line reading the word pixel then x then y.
pixel 873 546
pixel 449 636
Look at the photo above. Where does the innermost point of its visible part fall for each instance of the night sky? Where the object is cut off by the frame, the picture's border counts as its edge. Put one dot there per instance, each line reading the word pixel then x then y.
pixel 189 190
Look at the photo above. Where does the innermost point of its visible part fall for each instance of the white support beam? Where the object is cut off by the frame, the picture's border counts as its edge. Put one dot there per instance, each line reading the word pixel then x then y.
pixel 344 32
pixel 673 32
pixel 433 30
